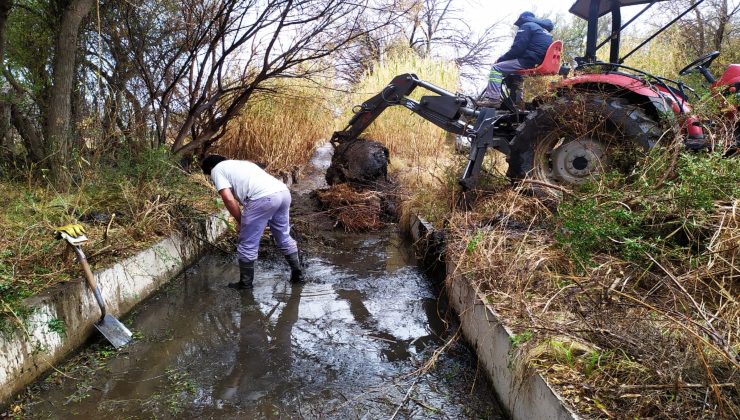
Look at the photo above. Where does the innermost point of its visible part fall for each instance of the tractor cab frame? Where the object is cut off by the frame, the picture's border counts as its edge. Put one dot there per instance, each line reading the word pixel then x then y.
pixel 592 10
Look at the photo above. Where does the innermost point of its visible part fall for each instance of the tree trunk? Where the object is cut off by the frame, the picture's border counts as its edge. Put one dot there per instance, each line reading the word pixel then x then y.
pixel 60 102
pixel 6 138
pixel 5 143
pixel 700 30
pixel 722 21
pixel 31 137
pixel 5 6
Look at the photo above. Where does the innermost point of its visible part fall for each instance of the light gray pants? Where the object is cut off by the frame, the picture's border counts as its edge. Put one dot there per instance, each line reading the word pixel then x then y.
pixel 257 214
pixel 500 71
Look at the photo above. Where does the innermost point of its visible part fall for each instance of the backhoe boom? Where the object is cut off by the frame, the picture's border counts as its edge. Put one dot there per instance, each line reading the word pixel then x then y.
pixel 446 110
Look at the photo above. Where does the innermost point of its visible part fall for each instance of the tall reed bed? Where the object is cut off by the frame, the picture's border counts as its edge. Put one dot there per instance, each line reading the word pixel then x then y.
pixel 280 126
pixel 406 135
pixel 663 56
pixel 421 155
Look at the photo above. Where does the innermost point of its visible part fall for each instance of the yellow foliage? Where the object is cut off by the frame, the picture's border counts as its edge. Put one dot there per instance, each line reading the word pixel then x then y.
pixel 407 135
pixel 279 128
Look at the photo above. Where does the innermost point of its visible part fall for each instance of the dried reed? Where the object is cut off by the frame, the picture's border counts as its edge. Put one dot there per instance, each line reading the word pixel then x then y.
pixel 617 337
pixel 280 127
pixel 354 210
pixel 407 136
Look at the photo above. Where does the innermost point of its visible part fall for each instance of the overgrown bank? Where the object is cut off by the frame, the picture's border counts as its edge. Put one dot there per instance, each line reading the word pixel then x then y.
pixel 124 208
pixel 141 196
pixel 622 292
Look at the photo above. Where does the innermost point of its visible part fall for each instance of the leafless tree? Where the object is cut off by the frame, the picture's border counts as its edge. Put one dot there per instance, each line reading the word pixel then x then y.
pixel 214 55
pixel 440 28
pixel 436 28
pixel 709 25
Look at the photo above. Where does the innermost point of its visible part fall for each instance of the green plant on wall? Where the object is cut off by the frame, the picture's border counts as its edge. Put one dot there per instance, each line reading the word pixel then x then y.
pixel 58 326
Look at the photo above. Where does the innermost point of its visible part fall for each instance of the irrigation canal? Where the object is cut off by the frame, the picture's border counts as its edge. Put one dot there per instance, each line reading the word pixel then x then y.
pixel 352 342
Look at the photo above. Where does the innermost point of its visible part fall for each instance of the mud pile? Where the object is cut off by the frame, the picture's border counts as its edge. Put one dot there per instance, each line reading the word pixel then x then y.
pixel 360 197
pixel 360 162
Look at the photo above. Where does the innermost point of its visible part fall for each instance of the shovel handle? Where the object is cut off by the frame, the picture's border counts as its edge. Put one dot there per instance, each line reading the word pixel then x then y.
pixel 89 278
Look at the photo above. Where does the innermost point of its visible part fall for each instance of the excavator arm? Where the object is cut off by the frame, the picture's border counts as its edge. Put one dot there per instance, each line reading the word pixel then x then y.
pixel 446 110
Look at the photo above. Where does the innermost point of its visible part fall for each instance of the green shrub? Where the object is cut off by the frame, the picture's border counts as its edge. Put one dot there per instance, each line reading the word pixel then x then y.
pixel 636 216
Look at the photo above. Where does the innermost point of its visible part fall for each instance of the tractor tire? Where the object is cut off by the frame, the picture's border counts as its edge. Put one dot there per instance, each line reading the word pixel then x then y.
pixel 574 139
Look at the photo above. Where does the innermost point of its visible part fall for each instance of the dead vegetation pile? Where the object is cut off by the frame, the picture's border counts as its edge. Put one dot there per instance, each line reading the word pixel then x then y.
pixel 625 294
pixel 353 209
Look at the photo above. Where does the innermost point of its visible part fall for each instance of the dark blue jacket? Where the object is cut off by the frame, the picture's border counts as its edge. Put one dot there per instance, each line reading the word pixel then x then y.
pixel 530 43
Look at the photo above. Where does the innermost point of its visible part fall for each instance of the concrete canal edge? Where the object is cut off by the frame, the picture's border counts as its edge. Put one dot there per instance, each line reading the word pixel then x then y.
pixel 28 353
pixel 524 395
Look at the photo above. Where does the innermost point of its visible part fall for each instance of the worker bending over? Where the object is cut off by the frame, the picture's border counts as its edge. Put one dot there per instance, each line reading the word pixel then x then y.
pixel 265 201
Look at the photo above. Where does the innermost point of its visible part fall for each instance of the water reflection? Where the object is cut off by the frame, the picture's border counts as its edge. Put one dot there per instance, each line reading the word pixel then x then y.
pixel 263 347
pixel 340 346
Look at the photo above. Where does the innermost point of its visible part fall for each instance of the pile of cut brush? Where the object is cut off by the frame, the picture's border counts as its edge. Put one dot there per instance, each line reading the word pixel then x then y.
pixel 353 209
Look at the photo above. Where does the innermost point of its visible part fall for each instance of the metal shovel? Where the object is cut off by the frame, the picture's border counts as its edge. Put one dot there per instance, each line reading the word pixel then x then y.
pixel 111 328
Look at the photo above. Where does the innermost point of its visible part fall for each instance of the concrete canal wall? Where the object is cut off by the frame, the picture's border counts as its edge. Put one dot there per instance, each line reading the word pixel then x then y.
pixel 525 395
pixel 27 353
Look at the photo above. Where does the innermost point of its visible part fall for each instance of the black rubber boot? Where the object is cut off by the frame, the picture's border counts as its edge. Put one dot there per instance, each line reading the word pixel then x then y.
pixel 296 272
pixel 246 276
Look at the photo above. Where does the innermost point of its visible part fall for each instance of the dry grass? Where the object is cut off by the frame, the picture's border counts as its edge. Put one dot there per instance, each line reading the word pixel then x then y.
pixel 280 127
pixel 405 134
pixel 354 210
pixel 123 209
pixel 654 335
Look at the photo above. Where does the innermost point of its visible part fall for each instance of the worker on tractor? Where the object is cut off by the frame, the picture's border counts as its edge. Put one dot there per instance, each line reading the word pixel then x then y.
pixel 265 200
pixel 528 50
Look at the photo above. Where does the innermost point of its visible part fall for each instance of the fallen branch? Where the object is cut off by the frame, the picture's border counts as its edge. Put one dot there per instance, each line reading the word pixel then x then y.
pixel 709 328
pixel 721 351
pixel 677 385
pixel 405 398
pixel 426 406
pixel 547 185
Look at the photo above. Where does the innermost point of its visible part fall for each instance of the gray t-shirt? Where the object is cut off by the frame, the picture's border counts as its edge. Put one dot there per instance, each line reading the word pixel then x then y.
pixel 247 180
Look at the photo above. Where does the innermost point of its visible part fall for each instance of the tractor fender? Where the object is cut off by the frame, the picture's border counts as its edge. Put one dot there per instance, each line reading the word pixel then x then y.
pixel 729 77
pixel 661 101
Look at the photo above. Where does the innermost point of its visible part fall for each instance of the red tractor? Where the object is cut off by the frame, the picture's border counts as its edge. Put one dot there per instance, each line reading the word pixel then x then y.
pixel 598 120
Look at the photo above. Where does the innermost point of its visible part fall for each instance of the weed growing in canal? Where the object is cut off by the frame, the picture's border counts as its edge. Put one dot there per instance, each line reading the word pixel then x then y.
pixel 519 339
pixel 58 326
pixel 180 387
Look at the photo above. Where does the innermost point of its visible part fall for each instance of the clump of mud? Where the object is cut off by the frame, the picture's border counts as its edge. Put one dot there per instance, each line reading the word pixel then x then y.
pixel 360 162
pixel 360 198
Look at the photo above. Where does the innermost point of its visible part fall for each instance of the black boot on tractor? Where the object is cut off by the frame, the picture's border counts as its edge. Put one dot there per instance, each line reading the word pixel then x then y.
pixel 246 276
pixel 296 272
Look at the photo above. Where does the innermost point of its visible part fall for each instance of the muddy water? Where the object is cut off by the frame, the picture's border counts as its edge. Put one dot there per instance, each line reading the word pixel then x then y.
pixel 346 344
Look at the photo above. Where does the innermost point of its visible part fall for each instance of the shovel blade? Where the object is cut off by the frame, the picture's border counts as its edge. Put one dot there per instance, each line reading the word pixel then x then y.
pixel 114 331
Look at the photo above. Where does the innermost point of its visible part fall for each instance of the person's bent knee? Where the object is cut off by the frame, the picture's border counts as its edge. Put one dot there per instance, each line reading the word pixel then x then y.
pixel 247 253
pixel 288 246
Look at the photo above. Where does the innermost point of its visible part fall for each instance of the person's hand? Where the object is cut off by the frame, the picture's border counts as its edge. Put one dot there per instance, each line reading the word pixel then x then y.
pixel 238 227
pixel 73 230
